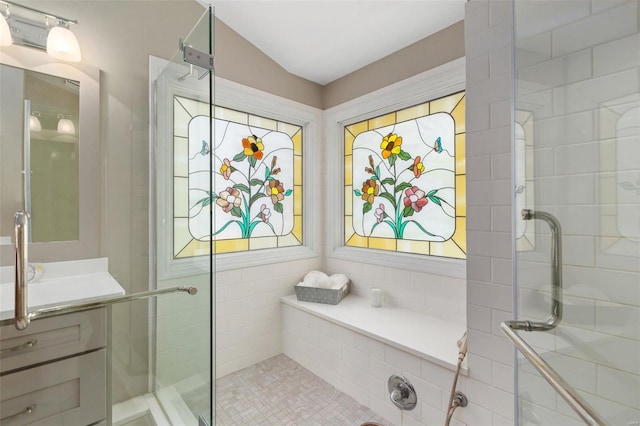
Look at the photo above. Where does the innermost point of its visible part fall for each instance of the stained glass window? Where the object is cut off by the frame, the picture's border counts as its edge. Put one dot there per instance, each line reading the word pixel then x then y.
pixel 405 186
pixel 257 181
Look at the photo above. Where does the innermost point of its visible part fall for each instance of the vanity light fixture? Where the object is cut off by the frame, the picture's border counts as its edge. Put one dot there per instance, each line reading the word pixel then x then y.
pixel 5 31
pixel 41 30
pixel 34 122
pixel 62 43
pixel 65 126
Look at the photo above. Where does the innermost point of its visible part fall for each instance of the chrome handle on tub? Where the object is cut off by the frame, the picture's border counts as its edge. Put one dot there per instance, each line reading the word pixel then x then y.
pixel 21 234
pixel 556 275
pixel 30 409
pixel 29 344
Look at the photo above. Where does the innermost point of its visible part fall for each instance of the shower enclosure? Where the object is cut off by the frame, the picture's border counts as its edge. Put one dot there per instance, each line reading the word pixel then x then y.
pixel 577 169
pixel 106 186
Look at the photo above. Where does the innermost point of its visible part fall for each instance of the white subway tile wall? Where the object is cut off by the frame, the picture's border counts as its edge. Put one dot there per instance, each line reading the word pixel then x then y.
pixel 248 312
pixel 489 386
pixel 434 295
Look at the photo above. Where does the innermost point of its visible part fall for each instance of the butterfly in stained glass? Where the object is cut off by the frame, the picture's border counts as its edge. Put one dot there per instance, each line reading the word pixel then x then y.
pixel 438 146
pixel 203 151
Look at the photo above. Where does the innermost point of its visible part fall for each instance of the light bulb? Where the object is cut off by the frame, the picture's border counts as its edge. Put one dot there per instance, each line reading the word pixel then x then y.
pixel 5 32
pixel 34 124
pixel 66 127
pixel 62 44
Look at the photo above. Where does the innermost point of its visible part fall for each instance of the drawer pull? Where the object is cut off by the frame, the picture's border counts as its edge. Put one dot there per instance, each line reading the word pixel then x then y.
pixel 30 409
pixel 29 344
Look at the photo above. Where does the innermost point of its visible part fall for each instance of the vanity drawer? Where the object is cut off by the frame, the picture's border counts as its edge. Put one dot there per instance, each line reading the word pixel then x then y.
pixel 51 338
pixel 67 392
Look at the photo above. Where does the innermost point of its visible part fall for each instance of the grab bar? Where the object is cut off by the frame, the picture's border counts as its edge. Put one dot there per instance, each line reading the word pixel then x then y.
pixel 556 275
pixel 71 308
pixel 21 234
pixel 575 401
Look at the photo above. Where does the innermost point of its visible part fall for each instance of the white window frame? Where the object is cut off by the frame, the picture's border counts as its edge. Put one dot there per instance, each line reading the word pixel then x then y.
pixel 235 96
pixel 432 84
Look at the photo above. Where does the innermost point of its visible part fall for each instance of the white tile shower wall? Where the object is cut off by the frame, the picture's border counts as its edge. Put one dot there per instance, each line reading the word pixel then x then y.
pixel 430 294
pixel 248 312
pixel 585 75
pixel 489 386
pixel 361 366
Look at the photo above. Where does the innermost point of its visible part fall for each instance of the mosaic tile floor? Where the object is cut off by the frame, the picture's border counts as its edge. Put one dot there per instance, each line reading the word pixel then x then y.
pixel 279 391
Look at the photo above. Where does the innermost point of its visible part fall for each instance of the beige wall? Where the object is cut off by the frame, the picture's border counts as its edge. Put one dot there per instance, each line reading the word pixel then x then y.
pixel 439 48
pixel 240 61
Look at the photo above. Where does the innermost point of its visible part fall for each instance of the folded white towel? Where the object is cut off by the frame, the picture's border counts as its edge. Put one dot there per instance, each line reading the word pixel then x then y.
pixel 337 281
pixel 319 279
pixel 315 279
pixel 325 284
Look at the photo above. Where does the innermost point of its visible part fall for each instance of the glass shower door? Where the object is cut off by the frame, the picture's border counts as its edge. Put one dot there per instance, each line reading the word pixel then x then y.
pixel 577 159
pixel 184 327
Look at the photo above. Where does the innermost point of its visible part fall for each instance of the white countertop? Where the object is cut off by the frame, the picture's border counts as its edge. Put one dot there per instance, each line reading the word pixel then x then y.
pixel 426 337
pixel 61 283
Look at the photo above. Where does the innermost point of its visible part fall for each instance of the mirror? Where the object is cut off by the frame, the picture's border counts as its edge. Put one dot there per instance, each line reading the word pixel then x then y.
pixel 45 147
pixel 49 154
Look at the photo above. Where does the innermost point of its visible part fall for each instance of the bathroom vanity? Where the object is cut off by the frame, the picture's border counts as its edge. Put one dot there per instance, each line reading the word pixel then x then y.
pixel 55 371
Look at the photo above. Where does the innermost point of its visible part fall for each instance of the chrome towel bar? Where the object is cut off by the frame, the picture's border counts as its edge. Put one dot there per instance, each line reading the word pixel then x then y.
pixel 575 401
pixel 67 309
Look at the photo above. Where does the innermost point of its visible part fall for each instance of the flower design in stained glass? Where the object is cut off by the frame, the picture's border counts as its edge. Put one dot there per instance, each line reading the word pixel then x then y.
pixel 253 181
pixel 256 175
pixel 404 180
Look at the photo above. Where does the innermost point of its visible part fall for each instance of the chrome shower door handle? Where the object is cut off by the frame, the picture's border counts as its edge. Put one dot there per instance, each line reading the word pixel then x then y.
pixel 556 275
pixel 21 234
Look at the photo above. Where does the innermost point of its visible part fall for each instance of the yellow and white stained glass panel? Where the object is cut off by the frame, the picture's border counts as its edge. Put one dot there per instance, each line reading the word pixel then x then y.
pixel 256 176
pixel 404 180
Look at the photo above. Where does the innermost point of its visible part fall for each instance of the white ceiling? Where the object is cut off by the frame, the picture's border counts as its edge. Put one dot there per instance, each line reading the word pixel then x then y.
pixel 325 40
